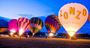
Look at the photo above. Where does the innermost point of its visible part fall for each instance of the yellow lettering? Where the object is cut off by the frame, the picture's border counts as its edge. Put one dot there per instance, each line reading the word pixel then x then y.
pixel 84 12
pixel 72 10
pixel 78 13
pixel 61 13
pixel 65 15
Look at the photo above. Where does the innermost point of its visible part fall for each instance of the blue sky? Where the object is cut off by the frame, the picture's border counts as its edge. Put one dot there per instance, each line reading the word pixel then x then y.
pixel 30 8
pixel 15 8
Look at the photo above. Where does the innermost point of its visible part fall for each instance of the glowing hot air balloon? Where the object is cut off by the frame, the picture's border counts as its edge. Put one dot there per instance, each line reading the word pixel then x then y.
pixel 73 16
pixel 23 24
pixel 89 17
pixel 13 27
pixel 36 25
pixel 52 24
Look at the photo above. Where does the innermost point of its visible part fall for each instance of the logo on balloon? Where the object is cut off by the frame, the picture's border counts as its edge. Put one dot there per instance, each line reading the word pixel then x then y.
pixel 73 16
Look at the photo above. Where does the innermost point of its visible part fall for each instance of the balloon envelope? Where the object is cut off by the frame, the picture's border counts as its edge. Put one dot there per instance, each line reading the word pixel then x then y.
pixel 13 27
pixel 89 17
pixel 52 23
pixel 36 24
pixel 73 16
pixel 23 24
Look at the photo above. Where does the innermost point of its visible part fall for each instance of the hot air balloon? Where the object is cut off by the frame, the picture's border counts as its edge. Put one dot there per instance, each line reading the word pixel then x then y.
pixel 13 27
pixel 23 24
pixel 89 17
pixel 3 26
pixel 72 17
pixel 36 25
pixel 52 24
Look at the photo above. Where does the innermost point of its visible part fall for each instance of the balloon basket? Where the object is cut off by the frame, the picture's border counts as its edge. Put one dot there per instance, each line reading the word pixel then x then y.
pixel 73 38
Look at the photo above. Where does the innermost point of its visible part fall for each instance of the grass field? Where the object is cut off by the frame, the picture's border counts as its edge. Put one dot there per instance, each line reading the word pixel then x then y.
pixel 13 42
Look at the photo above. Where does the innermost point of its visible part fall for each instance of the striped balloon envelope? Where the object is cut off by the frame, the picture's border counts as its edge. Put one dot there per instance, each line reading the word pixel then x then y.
pixel 52 23
pixel 36 25
pixel 13 27
pixel 23 24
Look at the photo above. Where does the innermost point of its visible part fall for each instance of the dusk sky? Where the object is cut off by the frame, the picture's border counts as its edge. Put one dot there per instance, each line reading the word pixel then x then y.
pixel 36 8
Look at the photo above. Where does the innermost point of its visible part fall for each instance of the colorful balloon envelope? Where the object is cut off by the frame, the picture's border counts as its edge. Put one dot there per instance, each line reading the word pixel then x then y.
pixel 23 24
pixel 89 17
pixel 52 24
pixel 36 25
pixel 13 27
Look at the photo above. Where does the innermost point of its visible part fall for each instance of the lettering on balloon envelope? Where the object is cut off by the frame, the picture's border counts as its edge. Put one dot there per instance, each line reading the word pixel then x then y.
pixel 73 16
